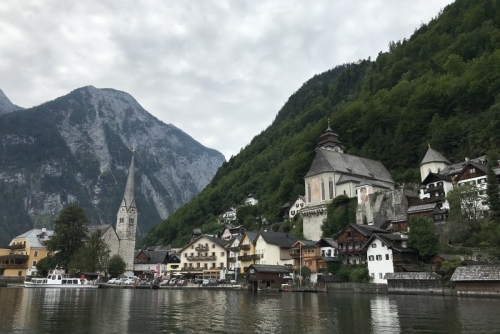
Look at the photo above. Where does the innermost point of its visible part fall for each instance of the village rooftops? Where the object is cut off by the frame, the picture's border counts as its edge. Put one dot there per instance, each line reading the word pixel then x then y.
pixel 269 268
pixel 284 240
pixel 476 273
pixel 412 276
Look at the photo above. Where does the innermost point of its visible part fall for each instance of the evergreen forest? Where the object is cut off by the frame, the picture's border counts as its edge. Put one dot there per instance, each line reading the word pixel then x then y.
pixel 439 87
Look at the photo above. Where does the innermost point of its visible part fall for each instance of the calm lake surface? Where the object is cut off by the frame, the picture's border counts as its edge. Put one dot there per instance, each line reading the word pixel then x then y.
pixel 57 311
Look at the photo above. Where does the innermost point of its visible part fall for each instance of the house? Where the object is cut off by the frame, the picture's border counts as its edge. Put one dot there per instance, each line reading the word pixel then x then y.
pixel 333 173
pixel 229 216
pixel 434 189
pixel 414 283
pixel 150 262
pixel 233 247
pixel 204 256
pixel 326 281
pixel 230 231
pixel 475 174
pixel 433 211
pixel 251 200
pixel 19 259
pixel 388 253
pixel 477 280
pixel 328 253
pixel 274 248
pixel 246 251
pixel 351 240
pixel 305 253
pixel 265 276
pixel 296 206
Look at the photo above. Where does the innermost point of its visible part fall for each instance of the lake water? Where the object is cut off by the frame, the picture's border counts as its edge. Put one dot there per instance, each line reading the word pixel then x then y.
pixel 57 311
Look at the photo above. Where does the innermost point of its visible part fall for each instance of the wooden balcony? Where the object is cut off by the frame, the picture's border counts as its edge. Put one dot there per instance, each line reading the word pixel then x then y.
pixel 202 258
pixel 17 246
pixel 250 257
pixel 14 265
pixel 201 248
pixel 14 261
pixel 431 190
pixel 231 259
pixel 244 247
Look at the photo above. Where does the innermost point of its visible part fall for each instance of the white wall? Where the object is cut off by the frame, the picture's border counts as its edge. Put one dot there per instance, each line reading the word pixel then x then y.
pixel 381 266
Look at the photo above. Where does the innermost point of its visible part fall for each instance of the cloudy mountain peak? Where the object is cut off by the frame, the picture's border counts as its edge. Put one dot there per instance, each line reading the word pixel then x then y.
pixel 5 105
pixel 80 151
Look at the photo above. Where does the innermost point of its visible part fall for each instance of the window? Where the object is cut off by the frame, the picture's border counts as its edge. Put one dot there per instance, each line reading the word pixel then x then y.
pixel 221 253
pixel 34 263
pixel 370 258
pixel 213 253
pixel 308 192
pixel 330 188
pixel 374 245
pixel 322 190
pixel 472 170
pixel 380 275
pixel 192 246
pixel 379 257
pixel 387 256
pixel 35 254
pixel 185 254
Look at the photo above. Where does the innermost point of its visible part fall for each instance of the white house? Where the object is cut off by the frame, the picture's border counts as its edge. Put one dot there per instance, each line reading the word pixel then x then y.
pixel 251 200
pixel 388 253
pixel 296 206
pixel 229 216
pixel 233 247
pixel 274 248
pixel 205 256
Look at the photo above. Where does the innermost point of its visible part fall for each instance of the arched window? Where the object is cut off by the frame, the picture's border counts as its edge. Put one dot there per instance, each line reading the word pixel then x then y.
pixel 308 192
pixel 322 190
pixel 330 188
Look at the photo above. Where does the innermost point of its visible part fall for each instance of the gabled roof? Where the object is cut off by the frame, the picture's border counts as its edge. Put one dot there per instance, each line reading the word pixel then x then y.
pixel 220 242
pixel 331 161
pixel 422 208
pixel 304 243
pixel 36 237
pixel 327 242
pixel 434 177
pixel 412 276
pixel 252 236
pixel 281 239
pixel 481 167
pixel 457 167
pixel 393 241
pixel 476 273
pixel 433 156
pixel 153 257
pixel 269 268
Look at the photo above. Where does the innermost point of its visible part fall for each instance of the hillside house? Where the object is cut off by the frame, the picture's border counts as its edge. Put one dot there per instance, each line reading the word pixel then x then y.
pixel 351 240
pixel 333 173
pixel 274 248
pixel 20 257
pixel 387 254
pixel 251 199
pixel 296 206
pixel 231 231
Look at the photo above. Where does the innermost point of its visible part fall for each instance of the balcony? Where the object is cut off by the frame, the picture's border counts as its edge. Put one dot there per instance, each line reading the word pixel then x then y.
pixel 250 257
pixel 14 261
pixel 350 251
pixel 244 247
pixel 17 246
pixel 433 199
pixel 202 258
pixel 235 249
pixel 201 248
pixel 231 259
pixel 13 265
pixel 431 190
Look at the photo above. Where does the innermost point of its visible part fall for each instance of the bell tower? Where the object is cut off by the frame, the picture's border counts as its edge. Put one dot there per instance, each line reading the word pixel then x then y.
pixel 126 220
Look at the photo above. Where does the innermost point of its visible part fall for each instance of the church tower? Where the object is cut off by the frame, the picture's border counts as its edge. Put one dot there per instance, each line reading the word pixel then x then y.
pixel 126 221
pixel 330 140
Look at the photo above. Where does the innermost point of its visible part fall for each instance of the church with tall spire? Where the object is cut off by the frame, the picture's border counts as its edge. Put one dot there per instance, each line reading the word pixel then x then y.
pixel 126 220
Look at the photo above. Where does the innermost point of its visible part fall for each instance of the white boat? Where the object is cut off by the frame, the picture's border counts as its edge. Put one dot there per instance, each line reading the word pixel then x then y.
pixel 61 281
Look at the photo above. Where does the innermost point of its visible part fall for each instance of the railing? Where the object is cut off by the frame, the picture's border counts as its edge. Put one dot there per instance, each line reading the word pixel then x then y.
pixel 202 258
pixel 13 266
pixel 17 246
pixel 231 259
pixel 250 257
pixel 234 249
pixel 244 247
pixel 201 248
pixel 433 189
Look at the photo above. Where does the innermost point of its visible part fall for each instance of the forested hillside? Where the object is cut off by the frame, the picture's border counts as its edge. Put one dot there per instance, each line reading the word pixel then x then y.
pixel 439 87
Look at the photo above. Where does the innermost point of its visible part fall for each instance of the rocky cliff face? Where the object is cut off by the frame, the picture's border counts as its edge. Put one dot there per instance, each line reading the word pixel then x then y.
pixel 77 149
pixel 5 105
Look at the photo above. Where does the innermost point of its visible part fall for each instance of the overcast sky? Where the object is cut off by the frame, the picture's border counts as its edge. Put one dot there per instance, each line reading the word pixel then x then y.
pixel 219 70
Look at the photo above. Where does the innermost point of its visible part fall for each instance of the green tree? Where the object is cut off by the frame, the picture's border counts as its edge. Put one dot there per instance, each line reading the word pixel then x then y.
pixel 116 266
pixel 493 192
pixel 93 256
pixel 339 213
pixel 465 207
pixel 45 265
pixel 70 234
pixel 423 237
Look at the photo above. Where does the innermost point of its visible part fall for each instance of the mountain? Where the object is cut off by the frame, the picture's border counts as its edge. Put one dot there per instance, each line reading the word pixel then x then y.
pixel 5 105
pixel 77 149
pixel 440 87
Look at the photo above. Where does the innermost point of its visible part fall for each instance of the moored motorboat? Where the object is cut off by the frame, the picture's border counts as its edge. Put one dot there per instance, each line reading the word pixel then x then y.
pixel 60 280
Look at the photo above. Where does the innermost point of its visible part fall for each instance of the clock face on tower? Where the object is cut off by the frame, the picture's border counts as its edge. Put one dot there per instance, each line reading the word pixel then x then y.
pixel 132 210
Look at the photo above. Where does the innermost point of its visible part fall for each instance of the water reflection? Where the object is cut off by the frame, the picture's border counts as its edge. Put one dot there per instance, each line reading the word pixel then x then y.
pixel 211 311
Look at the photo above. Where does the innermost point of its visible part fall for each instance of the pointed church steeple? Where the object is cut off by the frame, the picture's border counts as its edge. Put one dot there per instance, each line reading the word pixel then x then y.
pixel 126 220
pixel 330 140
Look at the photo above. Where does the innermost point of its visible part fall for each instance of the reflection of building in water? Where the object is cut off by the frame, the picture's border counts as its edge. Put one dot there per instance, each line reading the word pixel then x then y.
pixel 384 315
